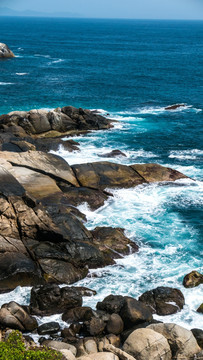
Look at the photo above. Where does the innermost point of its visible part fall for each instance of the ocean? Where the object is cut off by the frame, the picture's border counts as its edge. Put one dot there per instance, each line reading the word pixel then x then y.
pixel 130 70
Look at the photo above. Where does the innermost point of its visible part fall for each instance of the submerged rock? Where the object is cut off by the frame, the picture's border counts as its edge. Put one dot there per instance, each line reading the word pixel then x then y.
pixel 113 153
pixel 5 52
pixel 174 107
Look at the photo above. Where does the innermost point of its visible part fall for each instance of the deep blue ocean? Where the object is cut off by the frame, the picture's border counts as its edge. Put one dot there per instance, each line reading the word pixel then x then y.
pixel 130 70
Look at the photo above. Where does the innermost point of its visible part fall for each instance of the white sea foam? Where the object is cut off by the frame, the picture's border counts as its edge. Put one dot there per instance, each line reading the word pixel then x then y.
pixel 5 83
pixel 40 55
pixel 156 110
pixel 186 154
pixel 21 74
pixel 55 61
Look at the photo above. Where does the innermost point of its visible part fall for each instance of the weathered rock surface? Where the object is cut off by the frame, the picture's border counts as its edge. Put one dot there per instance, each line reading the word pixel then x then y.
pixel 163 300
pixel 5 52
pixel 111 304
pixel 14 316
pixel 147 344
pixel 182 341
pixel 115 324
pixel 193 279
pixel 99 356
pixel 104 174
pixel 59 345
pixel 155 172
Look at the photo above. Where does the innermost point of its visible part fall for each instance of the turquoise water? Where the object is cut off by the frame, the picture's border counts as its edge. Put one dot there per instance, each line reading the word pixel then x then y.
pixel 130 70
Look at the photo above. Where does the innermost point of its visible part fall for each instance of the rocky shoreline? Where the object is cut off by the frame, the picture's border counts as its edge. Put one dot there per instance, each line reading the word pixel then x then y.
pixel 44 241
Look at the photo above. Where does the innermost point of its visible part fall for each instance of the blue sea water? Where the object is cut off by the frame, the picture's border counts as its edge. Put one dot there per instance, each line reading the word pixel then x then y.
pixel 130 70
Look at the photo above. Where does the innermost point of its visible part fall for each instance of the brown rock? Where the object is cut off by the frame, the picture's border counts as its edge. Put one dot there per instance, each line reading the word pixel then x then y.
pixel 78 314
pixel 134 312
pixel 103 174
pixel 5 52
pixel 14 316
pixel 114 325
pixel 174 107
pixel 156 172
pixel 193 279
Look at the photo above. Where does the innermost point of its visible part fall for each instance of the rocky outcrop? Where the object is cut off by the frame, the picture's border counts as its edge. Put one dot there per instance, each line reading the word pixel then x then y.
pixel 5 52
pixel 163 300
pixel 147 344
pixel 193 279
pixel 155 173
pixel 182 342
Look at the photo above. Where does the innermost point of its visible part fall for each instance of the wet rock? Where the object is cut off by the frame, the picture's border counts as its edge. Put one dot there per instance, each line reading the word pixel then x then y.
pixel 134 312
pixel 5 52
pixel 174 107
pixel 51 299
pixel 147 344
pixel 113 153
pixel 115 324
pixel 48 328
pixel 111 304
pixel 155 173
pixel 182 342
pixel 78 314
pixel 77 196
pixel 163 300
pixel 112 242
pixel 14 316
pixel 200 309
pixel 193 279
pixel 198 334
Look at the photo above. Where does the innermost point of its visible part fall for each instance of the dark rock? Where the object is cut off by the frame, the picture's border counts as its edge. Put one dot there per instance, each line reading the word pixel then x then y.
pixel 103 174
pixel 95 326
pixel 193 279
pixel 69 335
pixel 115 324
pixel 113 153
pixel 198 334
pixel 51 299
pixel 163 300
pixel 134 312
pixel 13 315
pixel 48 328
pixel 174 107
pixel 77 196
pixel 200 309
pixel 112 242
pixel 111 304
pixel 5 52
pixel 78 314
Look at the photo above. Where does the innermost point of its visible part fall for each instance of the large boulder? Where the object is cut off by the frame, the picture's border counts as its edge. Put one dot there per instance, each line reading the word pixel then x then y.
pixel 182 341
pixel 146 344
pixel 104 174
pixel 193 279
pixel 134 312
pixel 78 314
pixel 14 316
pixel 163 300
pixel 5 52
pixel 156 172
pixel 115 324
